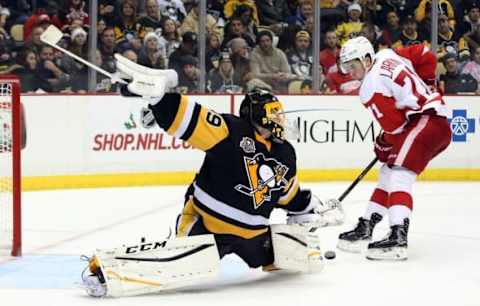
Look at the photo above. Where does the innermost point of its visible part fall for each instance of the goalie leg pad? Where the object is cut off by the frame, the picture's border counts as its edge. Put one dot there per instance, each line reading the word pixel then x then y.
pixel 296 248
pixel 157 266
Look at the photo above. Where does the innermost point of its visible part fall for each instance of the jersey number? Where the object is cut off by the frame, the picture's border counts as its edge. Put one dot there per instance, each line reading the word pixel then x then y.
pixel 400 80
pixel 214 119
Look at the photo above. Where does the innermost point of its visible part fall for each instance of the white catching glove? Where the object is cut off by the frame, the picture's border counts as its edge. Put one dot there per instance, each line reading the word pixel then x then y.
pixel 146 82
pixel 322 214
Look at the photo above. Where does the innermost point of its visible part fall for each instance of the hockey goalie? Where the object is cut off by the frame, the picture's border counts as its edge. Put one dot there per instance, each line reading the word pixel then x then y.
pixel 249 170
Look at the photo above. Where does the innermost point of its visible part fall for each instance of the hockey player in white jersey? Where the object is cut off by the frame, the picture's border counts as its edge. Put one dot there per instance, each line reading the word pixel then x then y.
pixel 415 130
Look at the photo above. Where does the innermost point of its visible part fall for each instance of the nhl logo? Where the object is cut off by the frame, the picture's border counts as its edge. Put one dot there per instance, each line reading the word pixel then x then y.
pixel 146 117
pixel 248 145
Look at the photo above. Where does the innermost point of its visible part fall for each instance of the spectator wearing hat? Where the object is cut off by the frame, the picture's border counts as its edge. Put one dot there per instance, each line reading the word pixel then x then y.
pixel 391 32
pixel 221 79
pixel 240 55
pixel 190 23
pixel 450 41
pixel 43 16
pixel 269 63
pixel 152 21
pixel 173 9
pixel 188 75
pixel 329 54
pixel 188 47
pixel 472 67
pixel 300 58
pixel 410 34
pixel 170 36
pixel 78 46
pixel 304 10
pixel 453 81
pixel 353 26
pixel 152 53
pixel 237 29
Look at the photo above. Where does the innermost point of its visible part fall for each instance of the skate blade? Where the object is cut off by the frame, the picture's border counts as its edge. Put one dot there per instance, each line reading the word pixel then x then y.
pixel 352 247
pixel 394 254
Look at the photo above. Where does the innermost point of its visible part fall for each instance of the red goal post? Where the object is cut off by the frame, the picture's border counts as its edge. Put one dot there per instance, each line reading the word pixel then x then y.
pixel 10 166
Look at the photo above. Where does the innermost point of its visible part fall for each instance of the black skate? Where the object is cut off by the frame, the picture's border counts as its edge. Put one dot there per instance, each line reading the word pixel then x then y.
pixel 393 247
pixel 354 240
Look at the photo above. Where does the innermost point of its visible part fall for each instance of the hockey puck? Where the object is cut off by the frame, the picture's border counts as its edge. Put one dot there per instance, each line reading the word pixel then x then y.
pixel 330 254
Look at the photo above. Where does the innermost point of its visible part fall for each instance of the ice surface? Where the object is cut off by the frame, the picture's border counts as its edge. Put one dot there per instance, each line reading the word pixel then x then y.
pixel 59 226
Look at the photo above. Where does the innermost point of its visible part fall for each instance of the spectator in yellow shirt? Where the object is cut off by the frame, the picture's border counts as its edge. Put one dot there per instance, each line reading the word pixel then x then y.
pixel 353 27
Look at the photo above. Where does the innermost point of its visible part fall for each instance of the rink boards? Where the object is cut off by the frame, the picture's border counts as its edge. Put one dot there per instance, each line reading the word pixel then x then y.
pixel 100 141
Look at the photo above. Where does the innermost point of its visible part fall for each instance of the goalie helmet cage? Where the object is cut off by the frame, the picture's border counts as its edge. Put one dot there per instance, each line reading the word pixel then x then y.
pixel 10 167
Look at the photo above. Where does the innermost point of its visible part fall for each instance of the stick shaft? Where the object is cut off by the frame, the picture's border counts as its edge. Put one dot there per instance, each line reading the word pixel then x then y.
pixel 358 179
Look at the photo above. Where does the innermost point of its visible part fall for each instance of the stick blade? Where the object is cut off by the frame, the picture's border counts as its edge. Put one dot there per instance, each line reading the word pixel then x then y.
pixel 51 35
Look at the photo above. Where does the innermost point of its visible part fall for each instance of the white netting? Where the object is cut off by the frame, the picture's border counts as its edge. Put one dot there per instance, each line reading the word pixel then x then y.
pixel 6 168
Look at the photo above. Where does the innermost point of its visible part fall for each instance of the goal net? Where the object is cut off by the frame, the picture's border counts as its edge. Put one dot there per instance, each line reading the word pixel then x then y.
pixel 10 142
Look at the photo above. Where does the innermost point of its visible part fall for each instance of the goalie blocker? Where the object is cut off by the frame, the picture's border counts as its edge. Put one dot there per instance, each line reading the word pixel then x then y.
pixel 179 262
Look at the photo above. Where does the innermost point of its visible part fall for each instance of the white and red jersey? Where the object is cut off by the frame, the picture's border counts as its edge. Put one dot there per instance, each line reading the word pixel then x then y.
pixel 393 91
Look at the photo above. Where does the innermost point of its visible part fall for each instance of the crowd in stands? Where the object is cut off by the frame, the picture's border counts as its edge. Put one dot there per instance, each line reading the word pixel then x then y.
pixel 249 43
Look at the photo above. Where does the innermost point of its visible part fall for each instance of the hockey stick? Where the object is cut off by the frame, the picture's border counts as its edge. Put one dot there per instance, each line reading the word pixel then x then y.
pixel 52 35
pixel 358 179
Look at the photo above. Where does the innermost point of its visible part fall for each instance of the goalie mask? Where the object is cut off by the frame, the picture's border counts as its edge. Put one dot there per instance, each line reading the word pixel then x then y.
pixel 264 110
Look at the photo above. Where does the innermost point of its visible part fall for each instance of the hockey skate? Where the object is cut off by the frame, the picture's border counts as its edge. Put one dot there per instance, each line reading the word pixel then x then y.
pixel 393 247
pixel 355 240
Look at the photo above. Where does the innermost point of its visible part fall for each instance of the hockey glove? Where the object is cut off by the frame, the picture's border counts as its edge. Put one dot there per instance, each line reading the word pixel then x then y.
pixel 322 214
pixel 143 81
pixel 382 148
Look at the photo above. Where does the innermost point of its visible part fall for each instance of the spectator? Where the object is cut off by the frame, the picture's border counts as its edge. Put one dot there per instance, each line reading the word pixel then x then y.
pixel 126 25
pixel 131 55
pixel 236 8
pixel 188 47
pixel 424 11
pixel 108 48
pixel 48 71
pixel 449 41
pixel 170 36
pixel 213 52
pixel 371 11
pixel 353 26
pixel 237 29
pixel 80 79
pixel 172 9
pixel 300 58
pixel 247 15
pixel 190 23
pixel 151 22
pixel 188 75
pixel 391 32
pixel 328 56
pixel 368 31
pixel 106 11
pixel 34 43
pixel 454 82
pixel 241 62
pixel 270 64
pixel 43 17
pixel 272 12
pixel 473 66
pixel 471 21
pixel 77 11
pixel 101 25
pixel 221 79
pixel 304 10
pixel 78 46
pixel 152 53
pixel 341 83
pixel 26 70
pixel 410 34
pixel 42 21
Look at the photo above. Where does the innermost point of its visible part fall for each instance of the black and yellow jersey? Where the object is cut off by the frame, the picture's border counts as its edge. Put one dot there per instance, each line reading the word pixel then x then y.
pixel 243 176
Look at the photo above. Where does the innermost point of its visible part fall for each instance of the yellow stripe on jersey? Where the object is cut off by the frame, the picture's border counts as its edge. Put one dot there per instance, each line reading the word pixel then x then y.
pixel 187 219
pixel 210 130
pixel 218 226
pixel 292 189
pixel 180 118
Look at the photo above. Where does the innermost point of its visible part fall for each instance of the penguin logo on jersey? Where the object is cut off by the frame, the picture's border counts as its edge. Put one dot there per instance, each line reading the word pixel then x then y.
pixel 264 176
